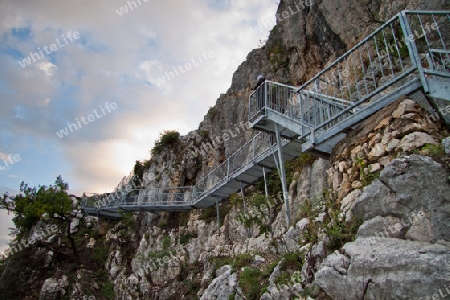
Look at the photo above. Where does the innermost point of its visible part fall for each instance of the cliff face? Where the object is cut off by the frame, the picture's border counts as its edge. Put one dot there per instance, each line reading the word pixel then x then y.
pixel 300 45
pixel 371 223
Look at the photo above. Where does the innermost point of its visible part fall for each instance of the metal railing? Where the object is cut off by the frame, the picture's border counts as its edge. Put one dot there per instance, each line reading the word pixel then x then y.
pixel 274 96
pixel 390 57
pixel 413 44
pixel 253 149
pixel 258 147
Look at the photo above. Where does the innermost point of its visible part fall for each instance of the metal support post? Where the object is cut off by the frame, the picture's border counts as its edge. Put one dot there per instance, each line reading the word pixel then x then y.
pixel 245 206
pixel 265 183
pixel 283 176
pixel 218 216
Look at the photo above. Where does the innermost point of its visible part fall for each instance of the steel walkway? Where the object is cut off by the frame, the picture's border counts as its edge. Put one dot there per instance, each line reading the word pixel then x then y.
pixel 407 54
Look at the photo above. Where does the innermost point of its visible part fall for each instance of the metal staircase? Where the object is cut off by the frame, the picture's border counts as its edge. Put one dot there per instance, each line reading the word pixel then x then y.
pixel 409 53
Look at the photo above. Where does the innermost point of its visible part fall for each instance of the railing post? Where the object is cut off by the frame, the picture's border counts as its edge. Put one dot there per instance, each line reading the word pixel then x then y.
pixel 193 196
pixel 266 96
pixel 253 148
pixel 412 48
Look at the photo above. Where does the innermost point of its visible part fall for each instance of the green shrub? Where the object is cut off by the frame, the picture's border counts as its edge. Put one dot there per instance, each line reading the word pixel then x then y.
pixel 166 242
pixel 100 254
pixel 297 164
pixel 183 218
pixel 209 214
pixel 185 238
pixel 168 138
pixel 128 220
pixel 242 260
pixel 212 112
pixel 236 200
pixel 146 164
pixel 108 290
pixel 269 269
pixel 158 254
pixel 219 262
pixel 293 261
pixel 433 150
pixel 250 283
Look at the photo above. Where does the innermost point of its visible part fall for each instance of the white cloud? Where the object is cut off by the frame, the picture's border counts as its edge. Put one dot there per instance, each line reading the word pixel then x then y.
pixel 114 60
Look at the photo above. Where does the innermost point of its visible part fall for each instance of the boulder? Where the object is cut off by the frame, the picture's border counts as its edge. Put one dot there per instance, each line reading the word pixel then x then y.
pixel 74 225
pixel 408 186
pixel 446 145
pixel 53 288
pixel 223 286
pixel 389 269
pixel 415 140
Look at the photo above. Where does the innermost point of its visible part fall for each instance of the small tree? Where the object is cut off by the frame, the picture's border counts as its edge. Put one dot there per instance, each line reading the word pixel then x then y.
pixel 42 203
pixel 138 171
pixel 166 138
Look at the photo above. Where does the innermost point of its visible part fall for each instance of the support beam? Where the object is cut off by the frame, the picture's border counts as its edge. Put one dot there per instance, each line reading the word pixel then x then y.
pixel 283 176
pixel 245 207
pixel 218 216
pixel 266 191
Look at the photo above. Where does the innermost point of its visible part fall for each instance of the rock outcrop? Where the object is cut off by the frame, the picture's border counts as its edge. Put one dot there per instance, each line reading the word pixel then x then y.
pixel 402 250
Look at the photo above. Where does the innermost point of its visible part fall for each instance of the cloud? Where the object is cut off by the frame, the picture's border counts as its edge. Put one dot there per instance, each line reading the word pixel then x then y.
pixel 116 59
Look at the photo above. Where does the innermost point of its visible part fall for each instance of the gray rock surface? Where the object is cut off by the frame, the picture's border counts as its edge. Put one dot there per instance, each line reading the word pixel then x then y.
pixel 446 145
pixel 391 269
pixel 54 288
pixel 223 286
pixel 402 249
pixel 409 186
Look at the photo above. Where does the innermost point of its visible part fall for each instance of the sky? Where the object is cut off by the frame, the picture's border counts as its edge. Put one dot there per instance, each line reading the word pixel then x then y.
pixel 87 86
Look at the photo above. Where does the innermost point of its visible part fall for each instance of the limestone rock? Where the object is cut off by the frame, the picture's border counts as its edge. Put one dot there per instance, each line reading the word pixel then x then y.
pixel 382 227
pixel 377 151
pixel 49 258
pixel 415 140
pixel 446 145
pixel 347 203
pixel 392 145
pixel 405 107
pixel 374 167
pixel 74 225
pixel 53 288
pixel 91 243
pixel 393 266
pixel 223 286
pixel 395 195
